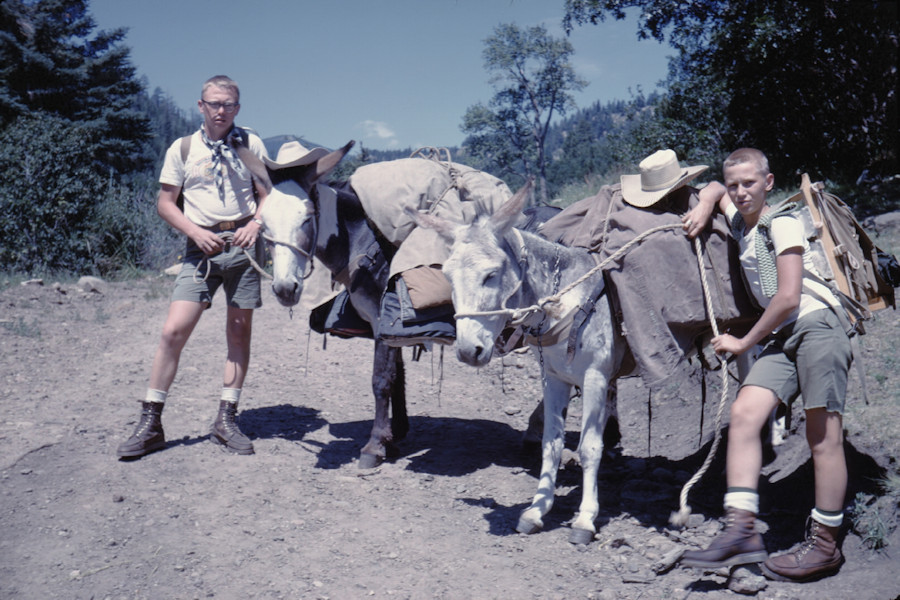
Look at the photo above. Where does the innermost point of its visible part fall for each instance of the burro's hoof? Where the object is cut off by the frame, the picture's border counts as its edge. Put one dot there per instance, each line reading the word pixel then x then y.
pixel 581 536
pixel 369 461
pixel 527 527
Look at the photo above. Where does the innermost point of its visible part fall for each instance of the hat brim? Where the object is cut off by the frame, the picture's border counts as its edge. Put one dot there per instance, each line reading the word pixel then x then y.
pixel 307 159
pixel 636 196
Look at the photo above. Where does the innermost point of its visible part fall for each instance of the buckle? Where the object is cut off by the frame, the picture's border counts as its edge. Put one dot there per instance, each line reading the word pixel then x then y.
pixel 226 226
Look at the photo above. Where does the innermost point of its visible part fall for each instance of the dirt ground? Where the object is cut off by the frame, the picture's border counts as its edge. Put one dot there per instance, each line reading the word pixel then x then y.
pixel 299 520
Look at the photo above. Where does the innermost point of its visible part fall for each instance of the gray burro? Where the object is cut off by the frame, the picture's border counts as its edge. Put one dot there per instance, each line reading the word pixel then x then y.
pixel 738 544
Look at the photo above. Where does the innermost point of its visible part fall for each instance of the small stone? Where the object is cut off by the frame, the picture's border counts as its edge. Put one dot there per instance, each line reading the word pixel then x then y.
pixel 747 580
pixel 89 283
pixel 665 564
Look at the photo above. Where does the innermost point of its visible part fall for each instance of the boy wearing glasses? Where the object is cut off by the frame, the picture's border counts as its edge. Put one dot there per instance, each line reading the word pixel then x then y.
pixel 222 203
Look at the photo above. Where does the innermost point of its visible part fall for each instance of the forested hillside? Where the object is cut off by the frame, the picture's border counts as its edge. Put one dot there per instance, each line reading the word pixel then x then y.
pixel 812 84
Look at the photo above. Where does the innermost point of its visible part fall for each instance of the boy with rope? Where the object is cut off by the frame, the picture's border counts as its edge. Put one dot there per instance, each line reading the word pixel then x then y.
pixel 806 349
pixel 221 222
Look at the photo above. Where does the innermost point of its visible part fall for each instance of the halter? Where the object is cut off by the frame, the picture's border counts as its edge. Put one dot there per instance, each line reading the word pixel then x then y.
pixel 514 315
pixel 308 254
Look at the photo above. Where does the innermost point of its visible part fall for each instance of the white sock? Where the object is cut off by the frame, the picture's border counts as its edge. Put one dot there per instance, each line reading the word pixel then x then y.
pixel 831 520
pixel 156 396
pixel 743 500
pixel 231 394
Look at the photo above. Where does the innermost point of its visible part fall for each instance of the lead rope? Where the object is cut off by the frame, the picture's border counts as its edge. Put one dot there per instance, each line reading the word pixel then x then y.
pixel 227 236
pixel 517 315
pixel 680 518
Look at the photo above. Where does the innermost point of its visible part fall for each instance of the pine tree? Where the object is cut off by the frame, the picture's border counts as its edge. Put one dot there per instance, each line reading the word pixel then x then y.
pixel 54 63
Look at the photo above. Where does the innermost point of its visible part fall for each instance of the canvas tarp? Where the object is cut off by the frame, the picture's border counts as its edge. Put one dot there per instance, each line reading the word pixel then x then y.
pixel 656 288
pixel 453 191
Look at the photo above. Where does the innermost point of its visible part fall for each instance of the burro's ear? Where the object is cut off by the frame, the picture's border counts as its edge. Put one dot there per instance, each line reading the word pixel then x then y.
pixel 446 229
pixel 324 165
pixel 507 214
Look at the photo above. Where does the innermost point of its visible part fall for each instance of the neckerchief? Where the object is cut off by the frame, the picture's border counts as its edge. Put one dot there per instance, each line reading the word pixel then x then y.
pixel 224 148
pixel 765 249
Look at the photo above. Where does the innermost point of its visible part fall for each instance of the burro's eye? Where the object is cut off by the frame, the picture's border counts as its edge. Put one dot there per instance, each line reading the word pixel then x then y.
pixel 489 277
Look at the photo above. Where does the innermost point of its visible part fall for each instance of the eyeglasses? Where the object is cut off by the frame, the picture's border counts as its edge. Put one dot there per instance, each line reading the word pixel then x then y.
pixel 229 107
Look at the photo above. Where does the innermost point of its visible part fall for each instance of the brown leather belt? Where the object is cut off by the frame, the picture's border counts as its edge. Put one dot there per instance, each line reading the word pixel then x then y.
pixel 227 225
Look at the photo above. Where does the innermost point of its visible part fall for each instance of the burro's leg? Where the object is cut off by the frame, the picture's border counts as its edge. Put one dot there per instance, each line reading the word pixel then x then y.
pixel 556 396
pixel 384 378
pixel 599 404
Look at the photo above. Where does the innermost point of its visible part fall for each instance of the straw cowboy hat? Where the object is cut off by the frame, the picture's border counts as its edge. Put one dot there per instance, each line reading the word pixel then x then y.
pixel 294 154
pixel 660 174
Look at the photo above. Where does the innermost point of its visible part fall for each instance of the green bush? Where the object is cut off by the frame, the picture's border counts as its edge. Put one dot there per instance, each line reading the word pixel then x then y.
pixel 48 196
pixel 128 235
pixel 63 215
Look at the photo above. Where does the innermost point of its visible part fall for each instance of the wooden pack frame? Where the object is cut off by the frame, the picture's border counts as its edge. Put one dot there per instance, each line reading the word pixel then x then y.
pixel 843 258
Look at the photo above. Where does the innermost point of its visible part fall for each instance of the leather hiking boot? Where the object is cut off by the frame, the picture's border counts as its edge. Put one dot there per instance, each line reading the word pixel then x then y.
pixel 738 544
pixel 816 557
pixel 148 436
pixel 225 432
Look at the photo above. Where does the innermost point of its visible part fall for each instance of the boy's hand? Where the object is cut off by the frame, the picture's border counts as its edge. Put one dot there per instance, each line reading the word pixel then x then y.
pixel 246 236
pixel 710 198
pixel 696 219
pixel 208 242
pixel 726 343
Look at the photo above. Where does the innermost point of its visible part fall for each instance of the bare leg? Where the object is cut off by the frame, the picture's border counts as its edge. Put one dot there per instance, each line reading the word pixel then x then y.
pixel 824 432
pixel 237 334
pixel 183 316
pixel 749 413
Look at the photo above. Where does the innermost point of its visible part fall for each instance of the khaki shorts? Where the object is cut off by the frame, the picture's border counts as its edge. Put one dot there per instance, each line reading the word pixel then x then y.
pixel 230 269
pixel 810 357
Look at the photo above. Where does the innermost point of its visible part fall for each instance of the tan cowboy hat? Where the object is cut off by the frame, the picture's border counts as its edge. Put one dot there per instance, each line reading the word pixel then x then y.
pixel 660 174
pixel 294 154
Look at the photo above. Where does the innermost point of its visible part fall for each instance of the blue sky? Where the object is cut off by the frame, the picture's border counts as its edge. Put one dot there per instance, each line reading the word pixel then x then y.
pixel 388 73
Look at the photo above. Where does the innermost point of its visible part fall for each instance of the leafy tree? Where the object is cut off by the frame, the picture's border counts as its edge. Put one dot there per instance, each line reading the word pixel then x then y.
pixel 813 84
pixel 53 63
pixel 533 80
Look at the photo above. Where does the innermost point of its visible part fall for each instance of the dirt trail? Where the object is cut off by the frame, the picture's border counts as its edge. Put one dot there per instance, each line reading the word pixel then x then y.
pixel 298 519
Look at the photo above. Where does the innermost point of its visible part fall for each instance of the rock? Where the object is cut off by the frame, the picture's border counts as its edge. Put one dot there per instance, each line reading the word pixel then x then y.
pixel 33 282
pixel 92 284
pixel 669 560
pixel 747 580
pixel 880 223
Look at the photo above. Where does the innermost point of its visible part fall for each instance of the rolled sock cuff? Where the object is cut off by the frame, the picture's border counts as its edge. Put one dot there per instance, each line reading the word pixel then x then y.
pixel 828 518
pixel 743 500
pixel 156 396
pixel 231 394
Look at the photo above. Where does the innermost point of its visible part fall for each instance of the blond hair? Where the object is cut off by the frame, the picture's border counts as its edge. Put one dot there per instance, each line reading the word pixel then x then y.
pixel 224 82
pixel 747 155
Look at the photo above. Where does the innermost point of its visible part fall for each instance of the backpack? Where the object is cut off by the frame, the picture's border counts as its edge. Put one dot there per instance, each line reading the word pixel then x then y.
pixel 250 160
pixel 859 274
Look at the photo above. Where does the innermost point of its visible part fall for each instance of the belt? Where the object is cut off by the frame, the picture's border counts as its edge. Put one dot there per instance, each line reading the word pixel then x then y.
pixel 227 225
